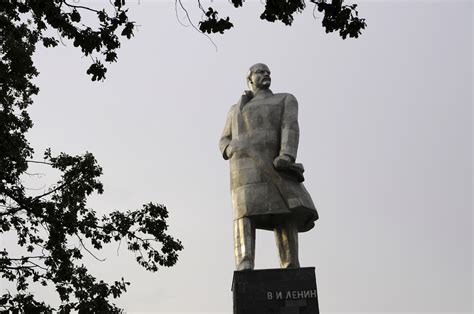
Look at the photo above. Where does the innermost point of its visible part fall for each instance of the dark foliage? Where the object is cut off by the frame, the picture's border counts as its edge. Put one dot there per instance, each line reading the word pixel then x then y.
pixel 214 25
pixel 56 228
pixel 342 18
pixel 276 10
pixel 48 225
pixel 337 17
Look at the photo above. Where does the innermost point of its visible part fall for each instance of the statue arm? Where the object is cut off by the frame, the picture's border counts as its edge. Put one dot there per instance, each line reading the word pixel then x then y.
pixel 226 137
pixel 290 132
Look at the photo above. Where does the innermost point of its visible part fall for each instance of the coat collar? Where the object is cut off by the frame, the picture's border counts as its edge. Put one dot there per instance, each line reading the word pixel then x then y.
pixel 247 97
pixel 262 94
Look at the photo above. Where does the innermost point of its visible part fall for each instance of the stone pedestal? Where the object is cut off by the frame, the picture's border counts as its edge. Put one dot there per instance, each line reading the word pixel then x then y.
pixel 275 291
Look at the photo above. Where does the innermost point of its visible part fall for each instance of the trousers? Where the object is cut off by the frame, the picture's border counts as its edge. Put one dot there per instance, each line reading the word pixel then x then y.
pixel 286 238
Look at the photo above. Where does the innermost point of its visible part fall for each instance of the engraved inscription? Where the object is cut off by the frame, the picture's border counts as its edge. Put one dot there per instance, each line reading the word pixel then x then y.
pixel 292 295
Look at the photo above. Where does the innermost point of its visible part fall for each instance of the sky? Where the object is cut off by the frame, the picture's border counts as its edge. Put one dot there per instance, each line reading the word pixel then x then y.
pixel 385 138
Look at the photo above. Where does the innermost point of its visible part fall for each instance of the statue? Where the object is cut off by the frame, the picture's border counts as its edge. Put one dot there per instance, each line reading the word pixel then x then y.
pixel 260 139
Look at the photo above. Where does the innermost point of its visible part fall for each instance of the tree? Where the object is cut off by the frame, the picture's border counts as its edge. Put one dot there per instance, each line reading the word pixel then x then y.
pixel 46 224
pixel 337 17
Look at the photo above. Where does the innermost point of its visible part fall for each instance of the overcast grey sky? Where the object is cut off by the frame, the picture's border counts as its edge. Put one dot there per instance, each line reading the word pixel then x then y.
pixel 386 140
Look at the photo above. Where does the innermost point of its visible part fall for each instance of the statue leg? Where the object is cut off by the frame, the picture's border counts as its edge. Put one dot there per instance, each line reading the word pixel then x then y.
pixel 286 236
pixel 244 243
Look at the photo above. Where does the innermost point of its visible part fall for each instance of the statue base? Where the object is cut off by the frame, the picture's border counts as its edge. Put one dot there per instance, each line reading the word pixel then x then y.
pixel 275 291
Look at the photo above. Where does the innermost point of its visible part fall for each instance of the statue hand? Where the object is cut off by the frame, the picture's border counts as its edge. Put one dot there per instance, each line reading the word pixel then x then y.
pixel 234 145
pixel 282 162
pixel 228 151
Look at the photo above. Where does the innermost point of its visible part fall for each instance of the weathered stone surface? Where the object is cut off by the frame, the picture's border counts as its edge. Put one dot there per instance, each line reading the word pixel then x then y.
pixel 275 291
pixel 260 139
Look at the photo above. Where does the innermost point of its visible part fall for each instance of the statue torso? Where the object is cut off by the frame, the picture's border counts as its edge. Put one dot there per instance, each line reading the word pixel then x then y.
pixel 259 126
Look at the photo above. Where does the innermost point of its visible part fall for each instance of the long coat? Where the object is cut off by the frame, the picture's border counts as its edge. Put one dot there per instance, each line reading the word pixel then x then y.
pixel 256 133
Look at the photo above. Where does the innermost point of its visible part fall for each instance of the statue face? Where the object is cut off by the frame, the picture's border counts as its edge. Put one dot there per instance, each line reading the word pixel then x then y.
pixel 260 77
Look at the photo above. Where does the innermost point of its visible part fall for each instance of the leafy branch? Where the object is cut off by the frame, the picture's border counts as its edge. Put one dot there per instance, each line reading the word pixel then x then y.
pixel 44 224
pixel 64 213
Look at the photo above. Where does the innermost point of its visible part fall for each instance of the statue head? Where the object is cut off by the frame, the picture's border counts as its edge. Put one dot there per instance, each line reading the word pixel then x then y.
pixel 258 77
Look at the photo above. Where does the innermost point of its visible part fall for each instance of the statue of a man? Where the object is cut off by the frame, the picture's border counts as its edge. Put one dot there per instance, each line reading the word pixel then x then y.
pixel 260 139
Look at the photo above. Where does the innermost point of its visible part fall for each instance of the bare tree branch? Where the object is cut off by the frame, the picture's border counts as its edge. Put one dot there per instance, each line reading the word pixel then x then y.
pixel 79 7
pixel 26 257
pixel 192 24
pixel 88 251
pixel 12 211
pixel 49 192
pixel 39 162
